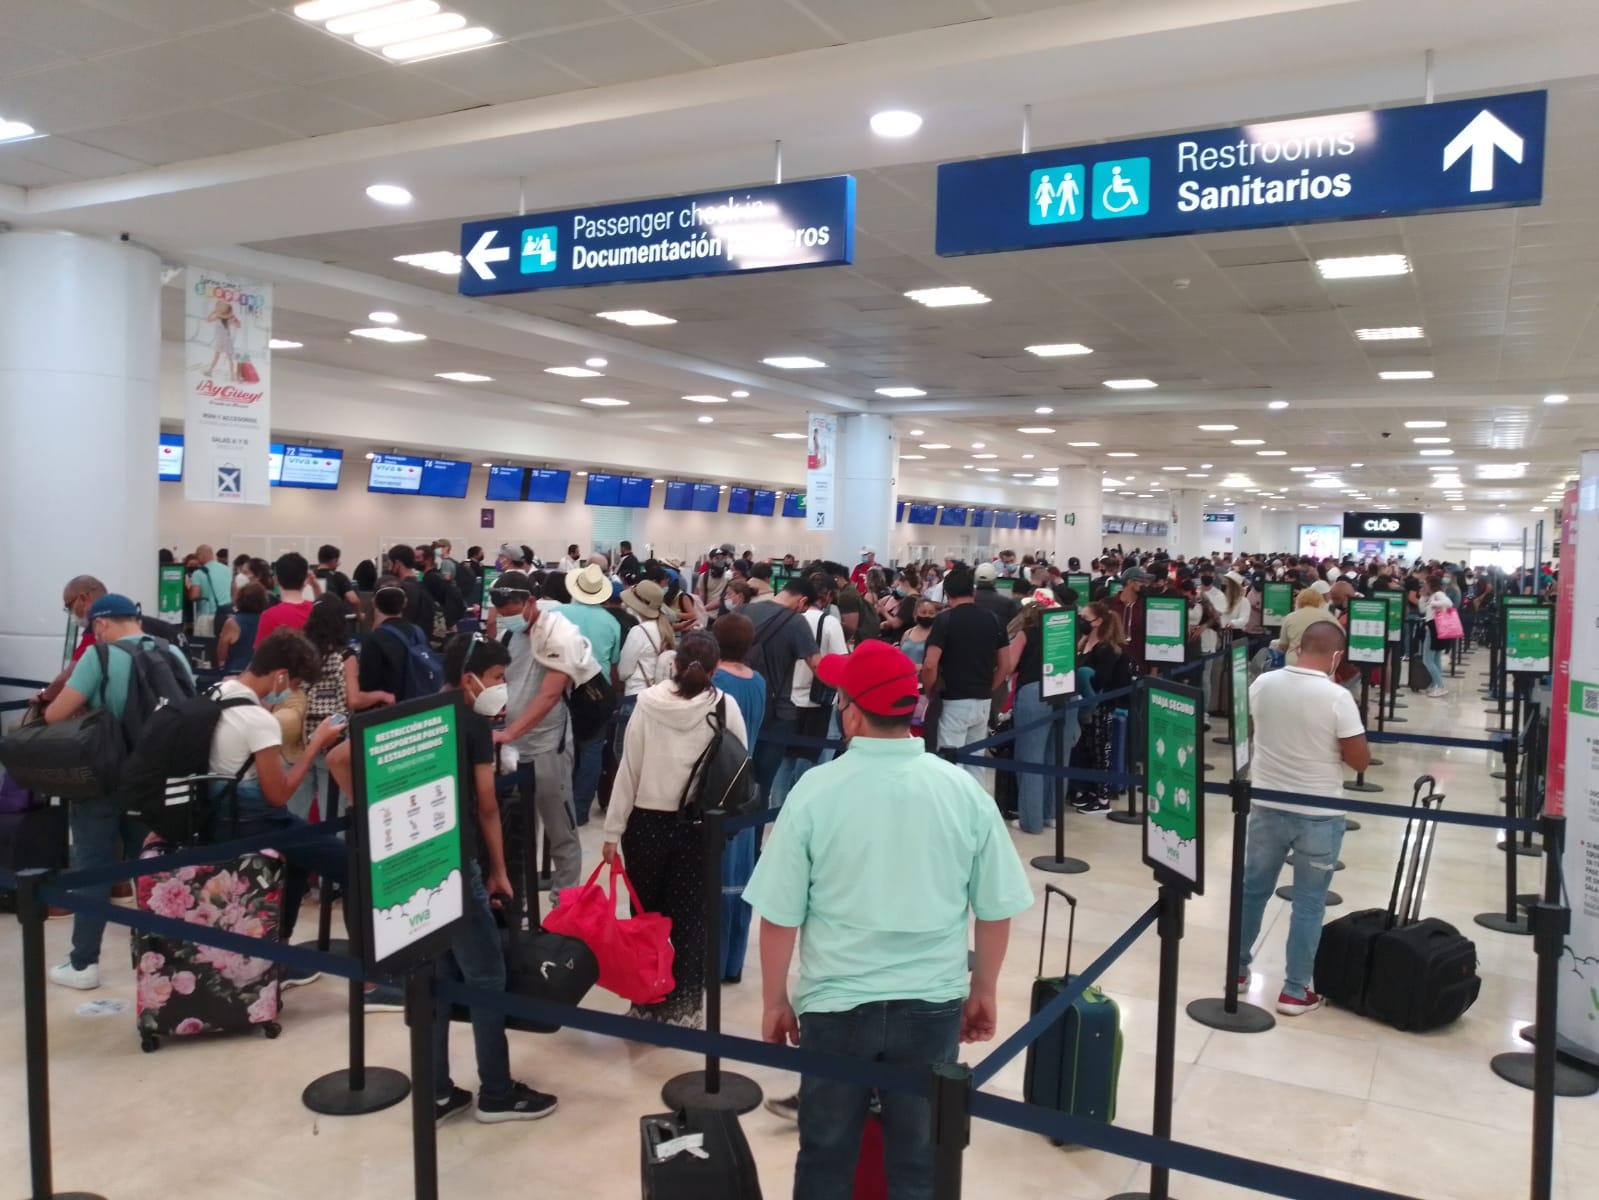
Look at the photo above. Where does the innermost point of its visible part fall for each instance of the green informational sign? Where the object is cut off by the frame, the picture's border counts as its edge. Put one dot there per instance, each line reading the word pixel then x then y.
pixel 1113 588
pixel 780 578
pixel 1165 629
pixel 1060 653
pixel 1005 586
pixel 1368 631
pixel 1519 601
pixel 169 601
pixel 1529 639
pixel 490 574
pixel 1396 614
pixel 1081 584
pixel 1238 661
pixel 1276 602
pixel 408 825
pixel 1174 825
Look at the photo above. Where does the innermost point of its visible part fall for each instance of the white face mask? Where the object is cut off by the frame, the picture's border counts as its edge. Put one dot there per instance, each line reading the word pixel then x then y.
pixel 491 701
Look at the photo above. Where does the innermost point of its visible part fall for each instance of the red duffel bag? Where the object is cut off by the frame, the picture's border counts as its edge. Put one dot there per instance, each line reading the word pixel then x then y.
pixel 634 953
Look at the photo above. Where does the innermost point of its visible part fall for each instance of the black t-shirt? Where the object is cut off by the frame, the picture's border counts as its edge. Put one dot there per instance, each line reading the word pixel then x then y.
pixel 381 667
pixel 782 638
pixel 334 583
pixel 419 606
pixel 477 750
pixel 993 600
pixel 1030 666
pixel 970 639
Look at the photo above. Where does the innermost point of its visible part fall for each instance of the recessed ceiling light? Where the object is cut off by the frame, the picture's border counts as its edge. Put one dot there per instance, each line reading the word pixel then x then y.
pixel 636 316
pixel 386 333
pixel 946 297
pixel 1174 468
pixel 11 131
pixel 1458 507
pixel 445 262
pixel 1271 453
pixel 793 362
pixel 918 433
pixel 1556 398
pixel 370 456
pixel 382 317
pixel 739 394
pixel 1130 385
pixel 985 456
pixel 1059 350
pixel 1278 404
pixel 1365 266
pixel 603 402
pixel 935 445
pixel 1302 470
pixel 900 393
pixel 1218 428
pixel 1192 476
pixel 1501 470
pixel 966 466
pixel 1426 424
pixel 582 472
pixel 572 372
pixel 1249 441
pixel 283 344
pixel 1394 375
pixel 1390 333
pixel 1204 466
pixel 705 399
pixel 706 420
pixel 987 470
pixel 1430 441
pixel 1043 410
pixel 1022 475
pixel 1027 456
pixel 388 193
pixel 895 123
pixel 1121 454
pixel 596 362
pixel 1354 465
pixel 979 445
pixel 488 464
pixel 1049 468
pixel 790 437
pixel 464 377
pixel 915 457
pixel 1083 445
pixel 1034 429
pixel 1436 453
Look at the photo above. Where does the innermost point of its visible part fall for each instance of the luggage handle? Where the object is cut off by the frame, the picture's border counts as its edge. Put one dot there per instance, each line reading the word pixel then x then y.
pixel 1071 927
pixel 1404 901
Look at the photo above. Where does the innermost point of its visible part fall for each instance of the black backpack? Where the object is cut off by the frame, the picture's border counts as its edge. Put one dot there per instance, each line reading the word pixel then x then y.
pixel 723 776
pixel 176 744
pixel 424 670
pixel 153 682
pixel 592 705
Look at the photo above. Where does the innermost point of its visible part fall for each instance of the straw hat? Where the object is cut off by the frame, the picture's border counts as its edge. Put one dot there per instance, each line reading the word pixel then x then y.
pixel 644 599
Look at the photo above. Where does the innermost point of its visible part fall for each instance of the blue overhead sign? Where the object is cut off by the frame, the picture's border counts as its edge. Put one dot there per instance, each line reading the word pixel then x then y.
pixel 1485 153
pixel 733 232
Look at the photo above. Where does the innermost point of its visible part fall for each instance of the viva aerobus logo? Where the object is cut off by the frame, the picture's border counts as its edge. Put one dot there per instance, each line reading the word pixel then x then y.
pixel 1593 1004
pixel 422 918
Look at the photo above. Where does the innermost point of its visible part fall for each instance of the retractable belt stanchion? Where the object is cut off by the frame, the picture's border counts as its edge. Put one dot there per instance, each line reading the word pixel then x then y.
pixel 1059 864
pixel 419 1002
pixel 31 913
pixel 952 1127
pixel 1511 919
pixel 1229 1013
pixel 1133 814
pixel 325 941
pixel 1358 783
pixel 1514 685
pixel 1397 658
pixel 713 1087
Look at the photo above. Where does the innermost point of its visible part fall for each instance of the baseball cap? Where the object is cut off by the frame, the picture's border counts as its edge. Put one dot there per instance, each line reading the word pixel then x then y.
pixel 877 676
pixel 985 573
pixel 513 553
pixel 113 604
pixel 1136 575
pixel 1322 586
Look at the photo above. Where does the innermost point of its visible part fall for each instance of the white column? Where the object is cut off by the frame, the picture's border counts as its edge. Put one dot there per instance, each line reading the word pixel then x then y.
pixel 80 415
pixel 1249 529
pixel 865 478
pixel 1077 516
pixel 1186 530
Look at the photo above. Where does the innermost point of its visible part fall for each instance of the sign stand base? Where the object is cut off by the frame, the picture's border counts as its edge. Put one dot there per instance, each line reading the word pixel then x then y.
pixel 1359 785
pixel 1499 923
pixel 332 1095
pixel 1522 849
pixel 1249 1018
pixel 1059 866
pixel 1124 816
pixel 737 1094
pixel 1287 893
pixel 1517 1068
pixel 1351 825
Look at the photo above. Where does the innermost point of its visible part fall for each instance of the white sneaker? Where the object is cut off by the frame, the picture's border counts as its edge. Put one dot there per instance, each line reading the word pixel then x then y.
pixel 1437 694
pixel 66 975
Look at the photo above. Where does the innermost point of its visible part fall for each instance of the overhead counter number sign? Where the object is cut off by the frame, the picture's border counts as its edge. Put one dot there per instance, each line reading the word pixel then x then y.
pixel 1483 153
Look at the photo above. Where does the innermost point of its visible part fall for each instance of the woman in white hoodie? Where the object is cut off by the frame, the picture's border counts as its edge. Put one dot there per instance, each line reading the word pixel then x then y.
pixel 671 727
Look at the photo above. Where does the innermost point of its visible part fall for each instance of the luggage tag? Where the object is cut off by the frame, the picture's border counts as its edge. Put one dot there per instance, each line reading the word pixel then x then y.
pixel 691 1143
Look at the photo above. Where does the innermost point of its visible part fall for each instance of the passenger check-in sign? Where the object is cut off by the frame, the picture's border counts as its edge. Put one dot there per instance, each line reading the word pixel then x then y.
pixel 1484 153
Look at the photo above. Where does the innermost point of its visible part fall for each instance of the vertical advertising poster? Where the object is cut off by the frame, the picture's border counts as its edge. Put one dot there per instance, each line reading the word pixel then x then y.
pixel 1165 629
pixel 1238 662
pixel 1060 653
pixel 1276 602
pixel 1529 639
pixel 410 828
pixel 1174 825
pixel 227 379
pixel 1555 784
pixel 822 449
pixel 1368 631
pixel 169 599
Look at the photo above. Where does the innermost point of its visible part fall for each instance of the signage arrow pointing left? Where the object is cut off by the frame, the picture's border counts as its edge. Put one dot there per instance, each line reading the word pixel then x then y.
pixel 482 254
pixel 1481 138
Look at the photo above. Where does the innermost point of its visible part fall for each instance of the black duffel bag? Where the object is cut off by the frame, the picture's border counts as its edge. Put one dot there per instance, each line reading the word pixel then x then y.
pixel 77 759
pixel 539 965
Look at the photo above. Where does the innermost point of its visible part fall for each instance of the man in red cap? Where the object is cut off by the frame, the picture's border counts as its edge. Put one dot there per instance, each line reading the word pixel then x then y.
pixel 880 857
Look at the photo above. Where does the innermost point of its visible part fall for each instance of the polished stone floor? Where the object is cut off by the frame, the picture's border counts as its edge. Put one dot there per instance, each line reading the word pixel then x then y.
pixel 1328 1092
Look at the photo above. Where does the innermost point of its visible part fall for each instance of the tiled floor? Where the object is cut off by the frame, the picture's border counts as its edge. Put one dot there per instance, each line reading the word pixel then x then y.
pixel 1328 1093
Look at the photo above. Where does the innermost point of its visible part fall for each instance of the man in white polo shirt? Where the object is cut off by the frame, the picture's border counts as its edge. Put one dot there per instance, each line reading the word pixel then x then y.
pixel 1307 730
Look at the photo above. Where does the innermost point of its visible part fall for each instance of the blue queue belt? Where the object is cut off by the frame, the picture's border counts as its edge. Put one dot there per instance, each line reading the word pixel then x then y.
pixel 1441 816
pixel 196 856
pixel 1494 741
pixel 32 685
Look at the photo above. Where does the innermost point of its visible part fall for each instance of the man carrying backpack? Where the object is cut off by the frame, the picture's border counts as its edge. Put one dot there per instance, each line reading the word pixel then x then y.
pixel 396 657
pixel 129 673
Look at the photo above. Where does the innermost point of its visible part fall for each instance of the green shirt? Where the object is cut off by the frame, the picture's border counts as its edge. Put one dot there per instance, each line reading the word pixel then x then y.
pixel 85 677
pixel 880 857
pixel 215 582
pixel 602 629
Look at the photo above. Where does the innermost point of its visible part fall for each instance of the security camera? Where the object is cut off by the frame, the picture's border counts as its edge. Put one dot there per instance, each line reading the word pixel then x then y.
pixel 1386 434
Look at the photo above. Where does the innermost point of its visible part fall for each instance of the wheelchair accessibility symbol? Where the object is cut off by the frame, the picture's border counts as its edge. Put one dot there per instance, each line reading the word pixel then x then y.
pixel 1121 188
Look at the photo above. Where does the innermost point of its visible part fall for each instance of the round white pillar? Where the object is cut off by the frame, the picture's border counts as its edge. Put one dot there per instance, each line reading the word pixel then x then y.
pixel 80 415
pixel 1186 529
pixel 1249 529
pixel 1078 532
pixel 864 479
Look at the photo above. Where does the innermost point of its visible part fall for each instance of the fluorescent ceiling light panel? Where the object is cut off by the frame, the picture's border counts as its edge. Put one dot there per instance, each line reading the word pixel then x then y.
pixel 790 437
pixel 935 445
pixel 946 297
pixel 387 333
pixel 1121 454
pixel 603 401
pixel 988 470
pixel 1367 266
pixel 464 377
pixel 1174 468
pixel 1392 375
pixel 1302 470
pixel 1130 385
pixel 409 31
pixel 706 420
pixel 1083 445
pixel 1271 453
pixel 1277 405
pixel 1436 453
pixel 739 394
pixel 596 362
pixel 900 393
pixel 572 372
pixel 327 10
pixel 914 457
pixel 636 316
pixel 1218 428
pixel 440 44
pixel 12 131
pixel 1431 441
pixel 384 14
pixel 1043 410
pixel 1249 441
pixel 1059 350
pixel 705 399
pixel 1038 429
pixel 793 362
pixel 382 317
pixel 1552 398
pixel 1426 424
pixel 895 123
pixel 1501 470
pixel 985 456
pixel 283 344
pixel 1391 333
pixel 445 262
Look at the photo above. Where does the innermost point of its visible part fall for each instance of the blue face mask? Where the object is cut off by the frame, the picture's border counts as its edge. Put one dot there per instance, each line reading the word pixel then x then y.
pixel 516 624
pixel 273 699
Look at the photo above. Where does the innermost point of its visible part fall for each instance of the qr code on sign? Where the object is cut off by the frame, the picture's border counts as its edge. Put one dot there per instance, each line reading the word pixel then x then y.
pixel 1590 701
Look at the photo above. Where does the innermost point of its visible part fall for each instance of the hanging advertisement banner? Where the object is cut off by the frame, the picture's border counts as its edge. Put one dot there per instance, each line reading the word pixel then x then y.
pixel 227 374
pixel 1578 735
pixel 1555 782
pixel 819 460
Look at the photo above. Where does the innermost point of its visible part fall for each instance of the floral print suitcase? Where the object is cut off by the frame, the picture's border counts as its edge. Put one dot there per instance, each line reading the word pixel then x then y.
pixel 185 988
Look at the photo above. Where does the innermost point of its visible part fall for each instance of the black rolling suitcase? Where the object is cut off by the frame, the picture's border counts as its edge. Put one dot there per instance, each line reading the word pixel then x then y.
pixel 1417 677
pixel 723 1168
pixel 1005 781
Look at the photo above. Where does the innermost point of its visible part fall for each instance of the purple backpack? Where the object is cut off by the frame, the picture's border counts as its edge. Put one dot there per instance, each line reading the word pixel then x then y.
pixel 14 798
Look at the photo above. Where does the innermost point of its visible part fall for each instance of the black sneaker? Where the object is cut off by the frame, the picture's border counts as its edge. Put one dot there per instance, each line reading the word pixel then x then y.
pixel 458 1101
pixel 786 1107
pixel 522 1103
pixel 1085 801
pixel 1093 806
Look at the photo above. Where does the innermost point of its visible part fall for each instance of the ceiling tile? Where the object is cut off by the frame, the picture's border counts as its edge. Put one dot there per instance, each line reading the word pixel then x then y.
pixel 149 141
pixel 191 79
pixel 615 54
pixel 67 98
pixel 727 31
pixel 77 159
pixel 518 18
pixel 397 94
pixel 858 22
pixel 180 16
pixel 500 74
pixel 288 50
pixel 302 111
pixel 19 172
pixel 214 131
pixel 62 25
pixel 18 55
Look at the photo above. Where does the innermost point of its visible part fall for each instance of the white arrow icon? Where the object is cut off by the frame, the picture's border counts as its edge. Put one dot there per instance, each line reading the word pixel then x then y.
pixel 1482 137
pixel 482 254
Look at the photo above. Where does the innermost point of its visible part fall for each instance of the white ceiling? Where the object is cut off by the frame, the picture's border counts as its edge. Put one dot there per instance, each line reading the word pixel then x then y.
pixel 607 99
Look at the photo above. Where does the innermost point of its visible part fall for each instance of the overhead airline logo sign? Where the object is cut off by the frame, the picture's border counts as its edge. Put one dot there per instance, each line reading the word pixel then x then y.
pixel 777 227
pixel 1485 153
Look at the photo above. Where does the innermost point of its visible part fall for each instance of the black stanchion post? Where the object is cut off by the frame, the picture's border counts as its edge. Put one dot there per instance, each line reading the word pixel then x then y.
pixel 713 1087
pixel 1397 658
pixel 952 1127
pixel 1059 864
pixel 31 913
pixel 1510 920
pixel 419 1003
pixel 328 810
pixel 1133 814
pixel 1550 923
pixel 1359 784
pixel 1173 900
pixel 1229 1013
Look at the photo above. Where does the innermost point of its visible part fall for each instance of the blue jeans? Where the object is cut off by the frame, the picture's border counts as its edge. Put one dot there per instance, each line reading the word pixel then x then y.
pixel 98 828
pixel 961 723
pixel 1432 659
pixel 769 752
pixel 738 863
pixel 1315 842
pixel 1034 792
pixel 832 1116
pixel 588 759
pixel 476 958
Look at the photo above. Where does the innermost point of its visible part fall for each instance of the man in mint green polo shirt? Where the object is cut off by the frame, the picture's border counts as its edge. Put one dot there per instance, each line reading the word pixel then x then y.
pixel 211 588
pixel 590 588
pixel 875 866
